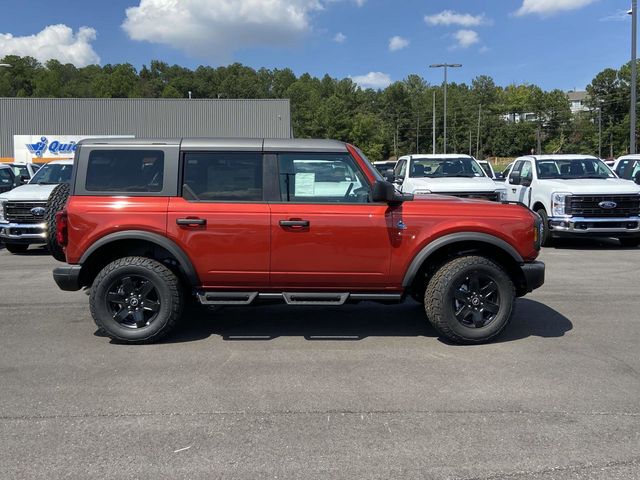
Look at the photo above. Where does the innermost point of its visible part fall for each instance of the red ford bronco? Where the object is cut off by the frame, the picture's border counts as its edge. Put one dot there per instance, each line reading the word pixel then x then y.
pixel 148 224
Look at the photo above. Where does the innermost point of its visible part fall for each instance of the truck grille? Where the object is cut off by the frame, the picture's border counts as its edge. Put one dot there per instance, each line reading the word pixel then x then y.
pixel 493 196
pixel 589 205
pixel 20 212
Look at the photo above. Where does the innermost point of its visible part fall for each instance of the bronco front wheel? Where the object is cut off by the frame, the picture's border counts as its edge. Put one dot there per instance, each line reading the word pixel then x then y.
pixel 136 300
pixel 470 299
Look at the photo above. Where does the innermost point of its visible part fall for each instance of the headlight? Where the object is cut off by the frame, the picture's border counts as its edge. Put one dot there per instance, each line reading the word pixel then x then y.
pixel 2 202
pixel 422 192
pixel 558 204
pixel 502 194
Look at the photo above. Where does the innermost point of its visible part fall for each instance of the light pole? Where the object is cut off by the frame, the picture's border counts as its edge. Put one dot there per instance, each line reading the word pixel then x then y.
pixel 445 66
pixel 632 110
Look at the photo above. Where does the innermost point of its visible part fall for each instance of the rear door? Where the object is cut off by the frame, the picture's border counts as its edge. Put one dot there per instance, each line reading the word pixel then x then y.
pixel 220 217
pixel 325 232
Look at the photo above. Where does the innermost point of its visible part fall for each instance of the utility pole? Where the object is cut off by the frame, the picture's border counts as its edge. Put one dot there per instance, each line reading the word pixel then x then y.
pixel 418 136
pixel 434 122
pixel 478 135
pixel 632 113
pixel 600 132
pixel 446 66
pixel 469 142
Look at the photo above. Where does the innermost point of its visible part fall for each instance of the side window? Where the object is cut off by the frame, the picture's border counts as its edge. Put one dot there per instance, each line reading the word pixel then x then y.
pixel 622 168
pixel 321 178
pixel 125 171
pixel 526 171
pixel 222 176
pixel 401 169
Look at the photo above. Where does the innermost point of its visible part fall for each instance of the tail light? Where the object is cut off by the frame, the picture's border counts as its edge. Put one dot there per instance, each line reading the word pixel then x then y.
pixel 62 232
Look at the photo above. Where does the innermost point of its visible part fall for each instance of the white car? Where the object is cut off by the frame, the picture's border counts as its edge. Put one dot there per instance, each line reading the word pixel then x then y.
pixel 576 195
pixel 447 174
pixel 487 167
pixel 22 209
pixel 628 167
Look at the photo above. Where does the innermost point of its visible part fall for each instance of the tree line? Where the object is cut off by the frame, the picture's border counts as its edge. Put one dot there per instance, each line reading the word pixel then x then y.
pixel 385 123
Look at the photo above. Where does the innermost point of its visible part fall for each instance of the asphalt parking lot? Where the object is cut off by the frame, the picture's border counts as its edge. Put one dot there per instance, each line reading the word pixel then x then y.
pixel 363 391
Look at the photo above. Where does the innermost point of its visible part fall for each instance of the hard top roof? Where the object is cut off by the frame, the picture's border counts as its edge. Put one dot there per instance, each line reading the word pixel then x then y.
pixel 437 156
pixel 241 144
pixel 559 156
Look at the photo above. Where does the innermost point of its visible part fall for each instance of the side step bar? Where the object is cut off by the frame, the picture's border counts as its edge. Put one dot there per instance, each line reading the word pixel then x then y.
pixel 293 298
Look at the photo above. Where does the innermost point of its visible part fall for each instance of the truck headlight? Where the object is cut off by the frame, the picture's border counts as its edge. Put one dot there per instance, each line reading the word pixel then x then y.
pixel 502 194
pixel 558 204
pixel 422 192
pixel 2 202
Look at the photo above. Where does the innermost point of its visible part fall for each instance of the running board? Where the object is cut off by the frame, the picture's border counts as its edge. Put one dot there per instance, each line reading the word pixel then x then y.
pixel 294 298
pixel 301 298
pixel 226 298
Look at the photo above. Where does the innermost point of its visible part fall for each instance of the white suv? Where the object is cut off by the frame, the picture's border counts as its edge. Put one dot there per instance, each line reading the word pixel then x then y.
pixel 22 209
pixel 447 174
pixel 576 195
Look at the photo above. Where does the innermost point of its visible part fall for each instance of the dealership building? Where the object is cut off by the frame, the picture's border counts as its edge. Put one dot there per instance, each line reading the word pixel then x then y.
pixel 44 129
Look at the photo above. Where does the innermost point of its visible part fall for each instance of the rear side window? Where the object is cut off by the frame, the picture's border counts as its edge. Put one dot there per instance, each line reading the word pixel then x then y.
pixel 6 178
pixel 222 176
pixel 125 171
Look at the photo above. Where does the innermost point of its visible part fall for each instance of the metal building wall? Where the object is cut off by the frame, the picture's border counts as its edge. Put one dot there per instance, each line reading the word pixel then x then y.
pixel 142 117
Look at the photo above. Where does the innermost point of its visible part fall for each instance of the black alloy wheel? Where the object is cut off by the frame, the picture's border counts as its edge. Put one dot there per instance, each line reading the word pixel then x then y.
pixel 476 300
pixel 133 301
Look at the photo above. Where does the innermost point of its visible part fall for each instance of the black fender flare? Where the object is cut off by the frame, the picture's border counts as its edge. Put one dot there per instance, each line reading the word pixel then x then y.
pixel 164 242
pixel 450 239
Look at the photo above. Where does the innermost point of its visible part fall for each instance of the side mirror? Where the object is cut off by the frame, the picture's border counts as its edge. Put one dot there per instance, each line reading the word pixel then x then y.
pixel 526 181
pixel 388 175
pixel 24 179
pixel 499 176
pixel 637 178
pixel 514 178
pixel 385 192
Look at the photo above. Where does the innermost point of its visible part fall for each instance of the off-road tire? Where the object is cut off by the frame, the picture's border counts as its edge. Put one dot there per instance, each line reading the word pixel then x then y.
pixel 57 201
pixel 439 298
pixel 170 295
pixel 629 242
pixel 546 239
pixel 16 248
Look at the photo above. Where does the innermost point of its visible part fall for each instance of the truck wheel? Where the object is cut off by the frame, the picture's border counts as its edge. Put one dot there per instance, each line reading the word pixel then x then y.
pixel 16 247
pixel 469 299
pixel 57 201
pixel 136 300
pixel 545 237
pixel 629 242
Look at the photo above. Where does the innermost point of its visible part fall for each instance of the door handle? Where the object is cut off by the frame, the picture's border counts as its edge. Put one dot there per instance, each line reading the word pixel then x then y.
pixel 190 222
pixel 294 223
pixel 514 190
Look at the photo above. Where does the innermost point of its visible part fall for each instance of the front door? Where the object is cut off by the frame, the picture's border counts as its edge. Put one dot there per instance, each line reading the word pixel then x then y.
pixel 325 233
pixel 221 220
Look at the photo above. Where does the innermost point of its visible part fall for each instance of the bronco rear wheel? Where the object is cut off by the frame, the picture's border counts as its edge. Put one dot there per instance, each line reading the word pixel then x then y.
pixel 57 201
pixel 136 300
pixel 470 299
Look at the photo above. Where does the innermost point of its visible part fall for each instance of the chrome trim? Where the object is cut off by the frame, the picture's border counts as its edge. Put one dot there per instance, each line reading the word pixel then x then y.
pixel 573 220
pixel 5 227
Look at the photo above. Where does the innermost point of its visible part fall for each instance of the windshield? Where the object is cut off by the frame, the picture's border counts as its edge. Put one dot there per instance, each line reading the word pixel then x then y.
pixel 445 167
pixel 572 169
pixel 53 174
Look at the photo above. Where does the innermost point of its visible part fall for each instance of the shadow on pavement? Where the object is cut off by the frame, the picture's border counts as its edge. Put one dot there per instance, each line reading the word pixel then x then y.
pixel 588 244
pixel 349 323
pixel 38 251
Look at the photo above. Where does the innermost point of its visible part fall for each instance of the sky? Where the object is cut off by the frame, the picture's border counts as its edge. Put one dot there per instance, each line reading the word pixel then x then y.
pixel 552 43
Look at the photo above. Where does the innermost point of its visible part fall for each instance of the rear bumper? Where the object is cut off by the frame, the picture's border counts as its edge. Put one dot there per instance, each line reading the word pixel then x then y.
pixel 25 233
pixel 533 275
pixel 68 277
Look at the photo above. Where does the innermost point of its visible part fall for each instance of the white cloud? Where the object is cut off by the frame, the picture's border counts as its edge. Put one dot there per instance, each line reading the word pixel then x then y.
pixel 549 7
pixel 340 37
pixel 216 28
pixel 449 17
pixel 466 38
pixel 397 43
pixel 375 80
pixel 53 42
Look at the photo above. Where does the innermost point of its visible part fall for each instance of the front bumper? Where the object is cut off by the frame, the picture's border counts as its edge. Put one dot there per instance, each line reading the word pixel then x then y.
pixel 25 233
pixel 560 226
pixel 68 277
pixel 533 275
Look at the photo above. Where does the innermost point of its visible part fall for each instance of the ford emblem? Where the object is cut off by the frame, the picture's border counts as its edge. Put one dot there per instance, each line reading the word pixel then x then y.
pixel 38 212
pixel 608 205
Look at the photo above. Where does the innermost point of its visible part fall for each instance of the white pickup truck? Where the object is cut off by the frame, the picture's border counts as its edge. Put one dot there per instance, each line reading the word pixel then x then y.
pixel 576 195
pixel 447 174
pixel 22 209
